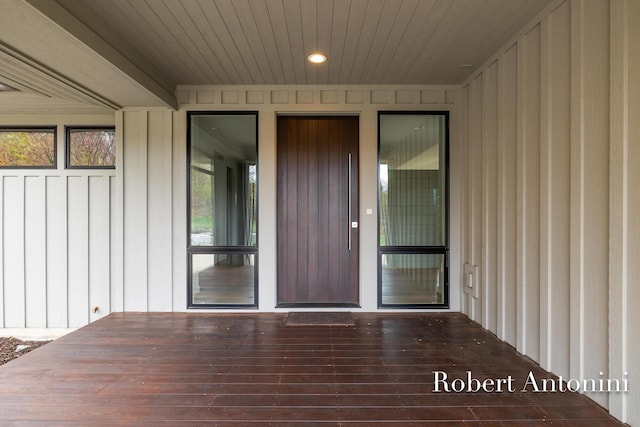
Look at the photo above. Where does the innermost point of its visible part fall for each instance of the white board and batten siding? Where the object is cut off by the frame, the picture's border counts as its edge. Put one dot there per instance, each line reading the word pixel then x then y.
pixel 56 226
pixel 79 244
pixel 148 225
pixel 154 170
pixel 553 116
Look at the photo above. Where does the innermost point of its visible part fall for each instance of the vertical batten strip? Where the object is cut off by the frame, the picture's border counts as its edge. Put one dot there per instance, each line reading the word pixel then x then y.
pixel 113 251
pixel 576 310
pixel 521 199
pixel 168 133
pixel 179 210
pixel 78 246
pixel 14 252
pixel 135 209
pixel 99 236
pixel 632 286
pixel 556 182
pixel 57 252
pixel 35 252
pixel 528 195
pixel 45 234
pixel 159 242
pixel 632 130
pixel 475 189
pixel 464 196
pixel 142 253
pixel 489 257
pixel 546 318
pixel 117 219
pixel 507 120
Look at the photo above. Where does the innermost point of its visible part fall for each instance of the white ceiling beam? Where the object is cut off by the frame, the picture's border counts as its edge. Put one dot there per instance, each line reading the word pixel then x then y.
pixel 69 23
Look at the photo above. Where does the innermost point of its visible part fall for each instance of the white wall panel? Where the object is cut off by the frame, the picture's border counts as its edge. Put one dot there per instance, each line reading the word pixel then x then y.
pixel 179 209
pixel 2 285
pixel 528 193
pixel 160 194
pixel 55 256
pixel 507 177
pixel 473 305
pixel 555 188
pixel 117 223
pixel 135 210
pixel 632 339
pixel 35 261
pixel 624 223
pixel 57 253
pixel 571 82
pixel 465 199
pixel 589 189
pixel 99 240
pixel 368 241
pixel 13 251
pixel 456 183
pixel 489 267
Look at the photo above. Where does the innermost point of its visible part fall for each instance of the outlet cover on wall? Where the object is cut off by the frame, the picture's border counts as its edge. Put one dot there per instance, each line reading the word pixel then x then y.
pixel 471 285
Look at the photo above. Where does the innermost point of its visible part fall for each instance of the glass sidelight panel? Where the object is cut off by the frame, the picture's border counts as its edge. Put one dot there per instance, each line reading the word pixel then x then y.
pixel 413 208
pixel 222 225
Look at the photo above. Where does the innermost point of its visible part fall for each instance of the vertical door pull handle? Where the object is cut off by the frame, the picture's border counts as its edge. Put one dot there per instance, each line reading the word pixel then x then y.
pixel 349 205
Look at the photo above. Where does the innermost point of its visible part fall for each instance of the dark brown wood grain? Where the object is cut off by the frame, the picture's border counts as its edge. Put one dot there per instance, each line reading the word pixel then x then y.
pixel 136 369
pixel 315 265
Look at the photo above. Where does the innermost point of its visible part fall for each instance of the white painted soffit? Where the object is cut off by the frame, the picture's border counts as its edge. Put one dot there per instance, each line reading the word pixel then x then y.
pixel 46 51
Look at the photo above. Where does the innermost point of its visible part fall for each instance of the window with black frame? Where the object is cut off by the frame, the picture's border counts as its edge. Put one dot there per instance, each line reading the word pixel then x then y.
pixel 90 147
pixel 222 226
pixel 28 147
pixel 413 209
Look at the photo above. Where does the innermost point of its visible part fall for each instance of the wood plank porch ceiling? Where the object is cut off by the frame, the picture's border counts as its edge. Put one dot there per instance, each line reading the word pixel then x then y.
pixel 267 42
pixel 250 370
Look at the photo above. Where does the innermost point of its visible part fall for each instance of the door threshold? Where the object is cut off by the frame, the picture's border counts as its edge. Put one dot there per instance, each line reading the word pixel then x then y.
pixel 317 305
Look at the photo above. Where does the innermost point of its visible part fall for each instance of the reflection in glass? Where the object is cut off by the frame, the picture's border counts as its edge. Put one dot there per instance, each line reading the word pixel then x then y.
pixel 202 185
pixel 91 147
pixel 28 148
pixel 223 180
pixel 412 279
pixel 412 180
pixel 223 279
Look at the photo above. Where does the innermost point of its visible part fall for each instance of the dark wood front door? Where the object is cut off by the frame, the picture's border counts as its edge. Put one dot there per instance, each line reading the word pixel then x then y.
pixel 318 211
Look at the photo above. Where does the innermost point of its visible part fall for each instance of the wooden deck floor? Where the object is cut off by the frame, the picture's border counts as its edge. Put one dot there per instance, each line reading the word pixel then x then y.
pixel 250 370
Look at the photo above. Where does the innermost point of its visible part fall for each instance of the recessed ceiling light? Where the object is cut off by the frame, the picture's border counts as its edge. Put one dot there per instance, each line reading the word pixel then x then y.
pixel 317 58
